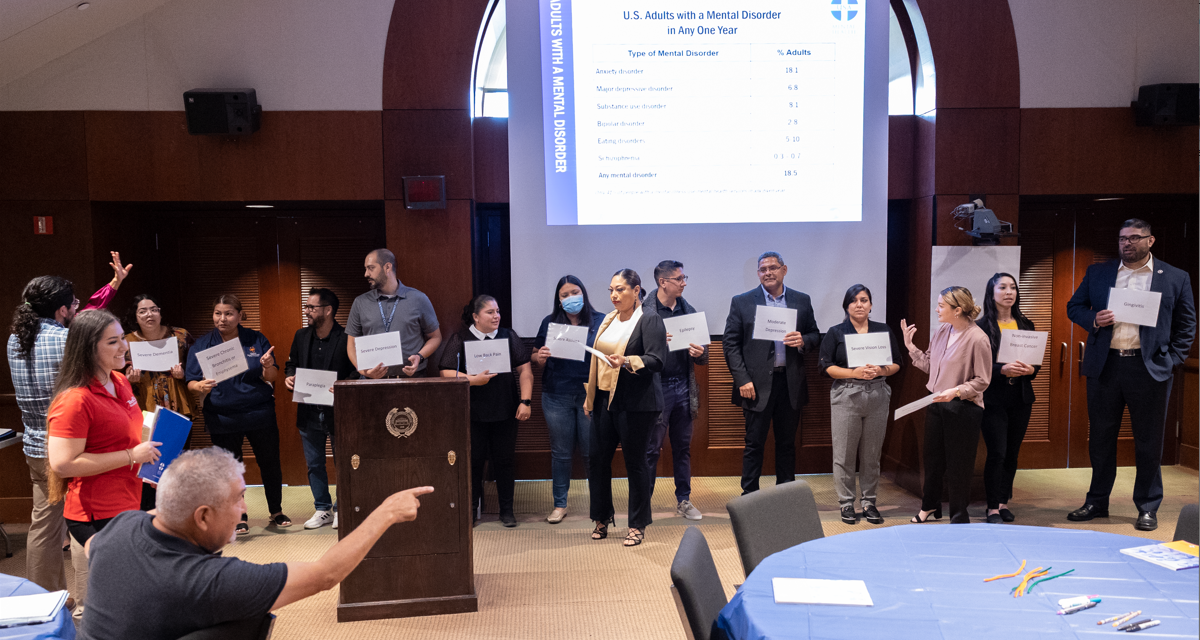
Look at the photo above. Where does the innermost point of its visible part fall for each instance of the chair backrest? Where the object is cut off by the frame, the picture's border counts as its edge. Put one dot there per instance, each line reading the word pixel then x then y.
pixel 247 629
pixel 774 519
pixel 1188 527
pixel 697 587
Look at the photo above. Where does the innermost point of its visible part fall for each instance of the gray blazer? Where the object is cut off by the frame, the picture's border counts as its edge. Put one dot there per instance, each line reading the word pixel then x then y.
pixel 752 360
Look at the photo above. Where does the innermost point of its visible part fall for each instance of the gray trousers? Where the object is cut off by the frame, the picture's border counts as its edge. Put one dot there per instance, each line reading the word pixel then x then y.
pixel 858 411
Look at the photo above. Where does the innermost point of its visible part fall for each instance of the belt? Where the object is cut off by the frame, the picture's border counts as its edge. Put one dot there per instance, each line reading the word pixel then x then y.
pixel 1127 353
pixel 780 369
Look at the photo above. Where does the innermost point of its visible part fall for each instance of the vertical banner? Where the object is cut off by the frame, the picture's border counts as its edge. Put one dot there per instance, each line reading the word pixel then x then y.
pixel 558 111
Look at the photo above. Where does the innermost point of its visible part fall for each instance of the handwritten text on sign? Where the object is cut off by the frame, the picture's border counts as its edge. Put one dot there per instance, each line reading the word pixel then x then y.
pixel 381 348
pixel 223 361
pixel 1135 307
pixel 1028 347
pixel 686 330
pixel 487 355
pixel 158 355
pixel 868 348
pixel 773 323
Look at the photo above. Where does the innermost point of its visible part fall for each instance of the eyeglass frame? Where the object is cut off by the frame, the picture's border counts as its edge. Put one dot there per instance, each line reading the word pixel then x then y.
pixel 314 307
pixel 148 311
pixel 1131 239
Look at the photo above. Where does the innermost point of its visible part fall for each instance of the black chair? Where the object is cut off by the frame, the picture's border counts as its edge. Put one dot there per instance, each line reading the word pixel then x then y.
pixel 771 520
pixel 696 587
pixel 248 629
pixel 1188 527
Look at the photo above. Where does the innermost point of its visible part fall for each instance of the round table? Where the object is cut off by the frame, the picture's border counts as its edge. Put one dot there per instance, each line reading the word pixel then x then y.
pixel 926 581
pixel 60 627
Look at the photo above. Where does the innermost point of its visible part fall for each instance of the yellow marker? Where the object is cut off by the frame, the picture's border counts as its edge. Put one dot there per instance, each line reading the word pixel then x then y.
pixel 1127 618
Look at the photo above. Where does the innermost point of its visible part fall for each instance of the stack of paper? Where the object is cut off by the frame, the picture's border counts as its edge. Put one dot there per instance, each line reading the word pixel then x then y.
pixel 808 591
pixel 35 609
pixel 1164 555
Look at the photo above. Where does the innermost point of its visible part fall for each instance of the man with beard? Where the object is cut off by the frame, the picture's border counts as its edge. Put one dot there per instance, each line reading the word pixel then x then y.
pixel 1130 365
pixel 322 346
pixel 391 306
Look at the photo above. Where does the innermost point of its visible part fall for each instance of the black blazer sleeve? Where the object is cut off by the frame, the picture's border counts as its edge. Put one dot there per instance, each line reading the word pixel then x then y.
pixel 640 390
pixel 732 341
pixel 808 328
pixel 289 368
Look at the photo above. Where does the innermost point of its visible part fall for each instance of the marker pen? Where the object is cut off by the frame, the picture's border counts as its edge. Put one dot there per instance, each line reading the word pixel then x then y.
pixel 1145 625
pixel 1077 608
pixel 1131 625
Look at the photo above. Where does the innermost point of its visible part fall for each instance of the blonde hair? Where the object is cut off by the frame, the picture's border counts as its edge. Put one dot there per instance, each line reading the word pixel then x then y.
pixel 961 298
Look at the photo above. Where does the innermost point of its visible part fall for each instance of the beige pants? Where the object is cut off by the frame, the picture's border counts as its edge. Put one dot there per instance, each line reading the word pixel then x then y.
pixel 47 528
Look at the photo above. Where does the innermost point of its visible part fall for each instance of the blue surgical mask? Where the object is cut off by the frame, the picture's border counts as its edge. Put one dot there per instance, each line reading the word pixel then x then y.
pixel 572 304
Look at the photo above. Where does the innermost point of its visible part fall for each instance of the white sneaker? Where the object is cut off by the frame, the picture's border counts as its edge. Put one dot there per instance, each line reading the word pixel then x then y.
pixel 335 520
pixel 320 519
pixel 685 509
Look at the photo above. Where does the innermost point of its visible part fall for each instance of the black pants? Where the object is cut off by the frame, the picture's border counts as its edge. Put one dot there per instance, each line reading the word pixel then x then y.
pixel 265 445
pixel 786 418
pixel 951 438
pixel 81 530
pixel 630 430
pixel 495 442
pixel 1005 420
pixel 1126 382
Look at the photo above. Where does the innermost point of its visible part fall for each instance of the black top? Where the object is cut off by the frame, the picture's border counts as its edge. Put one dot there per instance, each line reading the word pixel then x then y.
pixel 1002 385
pixel 675 366
pixel 641 390
pixel 310 352
pixel 751 360
pixel 566 376
pixel 833 345
pixel 497 400
pixel 244 402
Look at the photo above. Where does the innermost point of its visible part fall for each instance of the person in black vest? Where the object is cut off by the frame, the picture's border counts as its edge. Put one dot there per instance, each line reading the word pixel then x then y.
pixel 498 402
pixel 321 345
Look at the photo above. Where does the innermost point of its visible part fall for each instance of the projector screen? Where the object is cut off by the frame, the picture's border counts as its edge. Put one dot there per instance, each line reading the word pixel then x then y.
pixel 708 136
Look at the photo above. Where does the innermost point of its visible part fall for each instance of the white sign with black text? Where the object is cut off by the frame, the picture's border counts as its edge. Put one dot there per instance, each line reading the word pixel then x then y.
pixel 381 348
pixel 487 355
pixel 155 355
pixel 566 341
pixel 1135 307
pixel 1028 347
pixel 868 348
pixel 686 330
pixel 773 323
pixel 223 361
pixel 314 386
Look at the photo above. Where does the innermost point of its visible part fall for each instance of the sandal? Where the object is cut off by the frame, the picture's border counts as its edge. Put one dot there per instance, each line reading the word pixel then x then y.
pixel 280 520
pixel 243 527
pixel 601 530
pixel 936 515
pixel 634 537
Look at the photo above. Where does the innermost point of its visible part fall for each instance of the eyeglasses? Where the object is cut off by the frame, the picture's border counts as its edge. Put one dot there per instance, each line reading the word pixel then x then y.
pixel 1130 239
pixel 771 269
pixel 314 307
pixel 680 279
pixel 148 311
pixel 75 303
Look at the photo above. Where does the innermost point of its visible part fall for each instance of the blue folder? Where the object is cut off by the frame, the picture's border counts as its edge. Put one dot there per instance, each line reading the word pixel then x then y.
pixel 171 429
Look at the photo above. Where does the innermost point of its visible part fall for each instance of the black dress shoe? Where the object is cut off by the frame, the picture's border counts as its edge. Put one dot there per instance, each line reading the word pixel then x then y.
pixel 508 520
pixel 995 518
pixel 1007 515
pixel 1087 512
pixel 848 515
pixel 1147 521
pixel 872 514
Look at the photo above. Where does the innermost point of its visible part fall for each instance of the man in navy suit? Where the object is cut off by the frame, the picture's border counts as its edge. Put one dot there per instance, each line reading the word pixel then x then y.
pixel 768 376
pixel 1131 365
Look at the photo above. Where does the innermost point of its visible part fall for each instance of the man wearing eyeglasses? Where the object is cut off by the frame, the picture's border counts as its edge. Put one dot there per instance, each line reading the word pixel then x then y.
pixel 321 345
pixel 681 394
pixel 1128 365
pixel 768 376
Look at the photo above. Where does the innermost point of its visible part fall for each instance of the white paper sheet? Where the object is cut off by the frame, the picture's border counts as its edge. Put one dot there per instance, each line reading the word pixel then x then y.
pixel 868 348
pixel 487 355
pixel 599 354
pixel 1025 346
pixel 381 348
pixel 686 330
pixel 155 355
pixel 31 609
pixel 566 341
pixel 1135 307
pixel 809 591
pixel 223 361
pixel 313 386
pixel 772 323
pixel 915 406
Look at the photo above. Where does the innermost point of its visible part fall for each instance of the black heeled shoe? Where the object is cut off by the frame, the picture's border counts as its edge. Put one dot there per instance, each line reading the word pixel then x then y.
pixel 936 515
pixel 601 530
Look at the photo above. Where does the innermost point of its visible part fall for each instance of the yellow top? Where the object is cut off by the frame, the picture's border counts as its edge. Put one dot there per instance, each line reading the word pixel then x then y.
pixel 1010 325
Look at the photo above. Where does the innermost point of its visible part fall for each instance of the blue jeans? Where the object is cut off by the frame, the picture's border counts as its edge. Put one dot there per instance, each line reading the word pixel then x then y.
pixel 675 419
pixel 569 427
pixel 312 437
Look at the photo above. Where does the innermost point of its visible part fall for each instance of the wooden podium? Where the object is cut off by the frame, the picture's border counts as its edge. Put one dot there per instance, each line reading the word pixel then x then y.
pixel 391 435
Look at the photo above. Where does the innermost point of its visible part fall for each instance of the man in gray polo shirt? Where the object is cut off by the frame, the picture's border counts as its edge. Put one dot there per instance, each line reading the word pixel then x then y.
pixel 391 306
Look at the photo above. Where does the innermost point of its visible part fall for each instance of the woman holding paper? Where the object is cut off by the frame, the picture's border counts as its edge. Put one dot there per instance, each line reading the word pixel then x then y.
pixel 242 406
pixel 625 399
pixel 498 401
pixel 959 363
pixel 1008 400
pixel 563 385
pixel 858 399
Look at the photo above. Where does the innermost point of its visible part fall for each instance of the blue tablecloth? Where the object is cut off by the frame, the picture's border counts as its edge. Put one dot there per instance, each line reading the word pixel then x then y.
pixel 927 582
pixel 60 627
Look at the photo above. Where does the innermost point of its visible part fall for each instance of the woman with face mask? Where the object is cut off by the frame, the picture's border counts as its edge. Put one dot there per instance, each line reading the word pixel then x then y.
pixel 563 388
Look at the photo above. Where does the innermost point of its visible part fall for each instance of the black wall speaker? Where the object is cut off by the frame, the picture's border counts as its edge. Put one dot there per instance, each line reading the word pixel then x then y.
pixel 1167 104
pixel 230 112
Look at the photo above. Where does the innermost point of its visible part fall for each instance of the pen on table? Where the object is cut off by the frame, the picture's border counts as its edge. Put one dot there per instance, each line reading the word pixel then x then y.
pixel 1127 627
pixel 1115 618
pixel 1076 608
pixel 1144 625
pixel 1127 618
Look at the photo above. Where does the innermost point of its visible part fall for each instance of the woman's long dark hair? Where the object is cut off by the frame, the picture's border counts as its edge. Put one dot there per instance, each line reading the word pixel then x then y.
pixel 559 315
pixel 473 307
pixel 987 321
pixel 131 323
pixel 42 298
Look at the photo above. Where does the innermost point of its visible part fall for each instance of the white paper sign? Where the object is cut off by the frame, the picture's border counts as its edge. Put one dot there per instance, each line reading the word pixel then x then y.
pixel 773 323
pixel 811 591
pixel 223 361
pixel 915 406
pixel 566 341
pixel 1026 346
pixel 381 348
pixel 600 355
pixel 686 330
pixel 313 386
pixel 487 355
pixel 155 355
pixel 868 348
pixel 1135 307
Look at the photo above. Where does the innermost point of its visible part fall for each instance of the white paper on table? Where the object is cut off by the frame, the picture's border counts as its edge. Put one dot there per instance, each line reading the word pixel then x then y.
pixel 599 354
pixel 1135 307
pixel 32 609
pixel 487 355
pixel 312 386
pixel 1026 346
pixel 809 591
pixel 915 406
pixel 567 341
pixel 773 323
pixel 868 348
pixel 155 355
pixel 223 361
pixel 686 330
pixel 379 349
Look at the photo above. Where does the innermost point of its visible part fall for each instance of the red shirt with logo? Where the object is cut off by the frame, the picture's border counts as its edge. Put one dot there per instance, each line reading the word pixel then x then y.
pixel 108 424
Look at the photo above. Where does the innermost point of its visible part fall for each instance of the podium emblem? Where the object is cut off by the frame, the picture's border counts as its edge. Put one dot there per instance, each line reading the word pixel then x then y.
pixel 451 457
pixel 402 423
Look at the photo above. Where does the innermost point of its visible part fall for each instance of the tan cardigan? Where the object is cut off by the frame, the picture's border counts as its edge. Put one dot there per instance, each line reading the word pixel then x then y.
pixel 635 363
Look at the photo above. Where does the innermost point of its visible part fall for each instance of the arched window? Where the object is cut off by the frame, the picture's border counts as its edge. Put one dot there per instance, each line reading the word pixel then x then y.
pixel 490 79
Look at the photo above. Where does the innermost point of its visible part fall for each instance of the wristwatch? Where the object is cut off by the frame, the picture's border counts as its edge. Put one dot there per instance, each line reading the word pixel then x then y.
pixel 528 403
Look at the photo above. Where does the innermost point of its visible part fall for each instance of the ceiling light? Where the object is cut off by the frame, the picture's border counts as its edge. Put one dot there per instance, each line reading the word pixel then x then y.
pixel 1107 199
pixel 260 206
pixel 83 5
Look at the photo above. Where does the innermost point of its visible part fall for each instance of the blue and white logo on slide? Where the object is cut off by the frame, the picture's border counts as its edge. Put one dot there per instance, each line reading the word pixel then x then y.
pixel 845 9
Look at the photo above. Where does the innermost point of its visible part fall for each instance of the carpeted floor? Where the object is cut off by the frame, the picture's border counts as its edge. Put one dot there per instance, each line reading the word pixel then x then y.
pixel 551 581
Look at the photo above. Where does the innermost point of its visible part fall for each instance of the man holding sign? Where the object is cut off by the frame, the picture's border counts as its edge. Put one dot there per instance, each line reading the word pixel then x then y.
pixel 768 375
pixel 1131 365
pixel 392 307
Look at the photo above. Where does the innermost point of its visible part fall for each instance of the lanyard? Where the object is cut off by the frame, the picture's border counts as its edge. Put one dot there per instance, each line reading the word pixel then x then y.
pixel 387 322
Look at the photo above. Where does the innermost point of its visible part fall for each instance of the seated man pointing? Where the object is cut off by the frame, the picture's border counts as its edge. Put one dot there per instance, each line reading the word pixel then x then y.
pixel 163 576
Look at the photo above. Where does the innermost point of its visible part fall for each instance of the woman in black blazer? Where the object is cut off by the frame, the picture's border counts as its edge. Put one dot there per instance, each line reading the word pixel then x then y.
pixel 1008 400
pixel 624 398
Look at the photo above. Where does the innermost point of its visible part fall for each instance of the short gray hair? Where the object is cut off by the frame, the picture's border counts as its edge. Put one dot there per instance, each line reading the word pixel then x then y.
pixel 771 254
pixel 196 478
